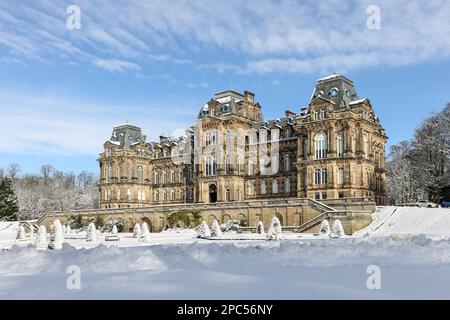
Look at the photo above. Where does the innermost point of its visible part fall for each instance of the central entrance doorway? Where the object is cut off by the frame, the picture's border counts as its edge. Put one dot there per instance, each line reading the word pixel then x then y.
pixel 212 193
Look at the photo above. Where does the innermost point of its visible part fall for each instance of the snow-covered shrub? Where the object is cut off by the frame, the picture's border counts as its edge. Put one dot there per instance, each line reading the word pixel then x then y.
pixel 275 231
pixel 114 230
pixel 337 230
pixel 68 229
pixel 137 230
pixel 145 234
pixel 109 225
pixel 230 225
pixel 21 233
pixel 203 230
pixel 215 229
pixel 56 236
pixel 91 234
pixel 41 239
pixel 324 228
pixel 260 227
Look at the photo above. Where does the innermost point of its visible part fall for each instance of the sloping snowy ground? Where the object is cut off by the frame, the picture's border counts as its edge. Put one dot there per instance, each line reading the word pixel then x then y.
pixel 409 220
pixel 176 265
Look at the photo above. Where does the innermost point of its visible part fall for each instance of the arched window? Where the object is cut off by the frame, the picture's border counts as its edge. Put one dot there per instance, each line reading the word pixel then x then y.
pixel 251 168
pixel 321 146
pixel 227 195
pixel 316 176
pixel 287 185
pixel 287 163
pixel 275 186
pixel 340 176
pixel 211 166
pixel 140 174
pixel 108 174
pixel 228 167
pixel 340 144
pixel 334 92
pixel 324 176
pixel 263 187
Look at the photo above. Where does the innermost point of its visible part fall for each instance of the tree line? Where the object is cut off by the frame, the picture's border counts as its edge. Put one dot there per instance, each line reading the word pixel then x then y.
pixel 26 196
pixel 419 169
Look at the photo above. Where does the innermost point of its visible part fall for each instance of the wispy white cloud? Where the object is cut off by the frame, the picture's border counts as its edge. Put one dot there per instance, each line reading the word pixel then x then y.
pixel 258 37
pixel 59 125
pixel 115 65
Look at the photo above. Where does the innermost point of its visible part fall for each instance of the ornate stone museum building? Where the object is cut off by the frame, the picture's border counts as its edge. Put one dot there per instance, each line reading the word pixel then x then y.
pixel 322 161
pixel 329 150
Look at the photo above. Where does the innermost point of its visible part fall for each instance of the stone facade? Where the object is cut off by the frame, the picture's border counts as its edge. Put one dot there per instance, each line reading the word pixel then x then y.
pixel 331 149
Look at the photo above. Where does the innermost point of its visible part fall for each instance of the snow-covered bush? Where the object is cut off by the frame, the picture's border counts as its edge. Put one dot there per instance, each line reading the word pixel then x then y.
pixel 91 234
pixel 137 230
pixel 68 229
pixel 109 225
pixel 261 228
pixel 145 234
pixel 275 231
pixel 203 230
pixel 21 233
pixel 41 239
pixel 324 228
pixel 114 230
pixel 56 236
pixel 215 229
pixel 337 230
pixel 230 225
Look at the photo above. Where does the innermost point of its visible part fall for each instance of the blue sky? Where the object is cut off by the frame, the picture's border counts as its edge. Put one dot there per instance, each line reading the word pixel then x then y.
pixel 155 63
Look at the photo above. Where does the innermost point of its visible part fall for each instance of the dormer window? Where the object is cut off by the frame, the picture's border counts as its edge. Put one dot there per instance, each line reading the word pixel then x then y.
pixel 225 108
pixel 348 93
pixel 204 113
pixel 334 92
pixel 319 94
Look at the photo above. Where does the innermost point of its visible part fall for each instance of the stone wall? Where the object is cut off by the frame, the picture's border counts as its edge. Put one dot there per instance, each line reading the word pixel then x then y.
pixel 353 213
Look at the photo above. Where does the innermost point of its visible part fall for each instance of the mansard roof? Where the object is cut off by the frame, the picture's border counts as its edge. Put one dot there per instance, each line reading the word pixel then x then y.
pixel 126 135
pixel 336 88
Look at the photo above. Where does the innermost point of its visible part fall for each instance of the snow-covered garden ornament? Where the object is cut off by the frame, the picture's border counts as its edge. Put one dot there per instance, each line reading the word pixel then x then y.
pixel 41 239
pixel 56 236
pixel 337 230
pixel 215 229
pixel 203 230
pixel 136 230
pixel 21 233
pixel 145 234
pixel 91 235
pixel 324 228
pixel 260 228
pixel 275 231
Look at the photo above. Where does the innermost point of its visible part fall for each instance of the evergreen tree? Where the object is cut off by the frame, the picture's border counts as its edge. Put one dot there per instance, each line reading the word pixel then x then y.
pixel 136 230
pixel 275 230
pixel 215 229
pixel 9 205
pixel 324 228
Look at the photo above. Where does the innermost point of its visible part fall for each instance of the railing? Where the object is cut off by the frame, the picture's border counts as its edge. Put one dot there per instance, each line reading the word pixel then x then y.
pixel 319 205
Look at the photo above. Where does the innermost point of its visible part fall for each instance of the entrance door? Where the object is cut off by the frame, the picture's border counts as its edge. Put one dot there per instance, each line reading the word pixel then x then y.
pixel 212 193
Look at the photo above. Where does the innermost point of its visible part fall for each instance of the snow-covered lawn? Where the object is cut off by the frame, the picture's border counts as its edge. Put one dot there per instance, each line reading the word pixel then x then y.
pixel 177 265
